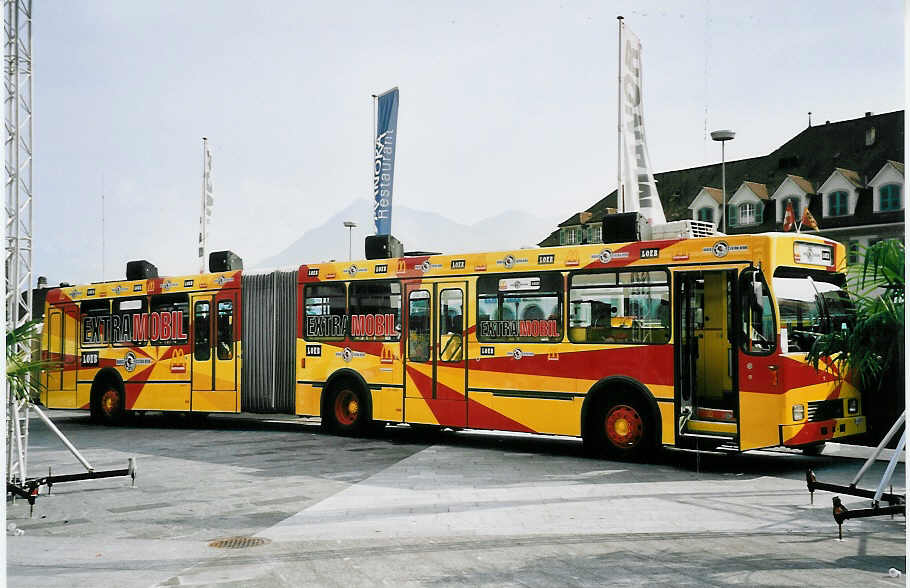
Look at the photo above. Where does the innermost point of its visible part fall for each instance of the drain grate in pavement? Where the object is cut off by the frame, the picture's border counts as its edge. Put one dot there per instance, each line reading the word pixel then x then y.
pixel 238 542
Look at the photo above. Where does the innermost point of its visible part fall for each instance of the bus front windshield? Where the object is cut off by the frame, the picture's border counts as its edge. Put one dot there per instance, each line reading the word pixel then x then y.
pixel 811 304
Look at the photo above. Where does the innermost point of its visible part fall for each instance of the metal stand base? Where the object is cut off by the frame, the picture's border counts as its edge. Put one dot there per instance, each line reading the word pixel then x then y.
pixel 29 488
pixel 896 503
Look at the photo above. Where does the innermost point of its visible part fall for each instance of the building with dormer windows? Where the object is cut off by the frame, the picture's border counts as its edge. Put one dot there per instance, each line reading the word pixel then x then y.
pixel 857 166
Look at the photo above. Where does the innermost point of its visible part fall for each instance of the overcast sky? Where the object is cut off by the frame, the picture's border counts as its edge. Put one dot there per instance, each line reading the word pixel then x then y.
pixel 504 105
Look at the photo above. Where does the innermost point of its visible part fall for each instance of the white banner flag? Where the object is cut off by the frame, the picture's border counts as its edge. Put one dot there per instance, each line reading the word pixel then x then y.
pixel 208 201
pixel 639 191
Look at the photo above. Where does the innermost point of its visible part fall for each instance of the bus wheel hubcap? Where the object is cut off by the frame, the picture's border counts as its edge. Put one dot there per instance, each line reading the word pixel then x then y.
pixel 623 426
pixel 109 401
pixel 346 407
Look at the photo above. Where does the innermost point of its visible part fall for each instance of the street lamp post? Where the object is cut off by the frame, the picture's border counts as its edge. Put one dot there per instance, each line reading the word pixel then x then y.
pixel 723 136
pixel 350 225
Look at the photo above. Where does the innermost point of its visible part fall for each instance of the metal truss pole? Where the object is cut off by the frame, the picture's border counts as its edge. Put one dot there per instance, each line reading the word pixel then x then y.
pixel 17 53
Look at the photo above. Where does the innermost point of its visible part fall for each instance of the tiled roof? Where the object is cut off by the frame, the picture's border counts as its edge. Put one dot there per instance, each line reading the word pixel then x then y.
pixel 714 193
pixel 579 218
pixel 812 155
pixel 804 184
pixel 851 176
pixel 759 190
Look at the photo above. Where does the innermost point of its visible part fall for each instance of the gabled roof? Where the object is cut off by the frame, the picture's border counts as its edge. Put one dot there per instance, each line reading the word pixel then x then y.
pixel 896 165
pixel 812 153
pixel 850 175
pixel 804 184
pixel 578 218
pixel 759 190
pixel 714 193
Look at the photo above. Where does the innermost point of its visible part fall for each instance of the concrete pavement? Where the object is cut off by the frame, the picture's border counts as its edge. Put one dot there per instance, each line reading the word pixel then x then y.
pixel 467 508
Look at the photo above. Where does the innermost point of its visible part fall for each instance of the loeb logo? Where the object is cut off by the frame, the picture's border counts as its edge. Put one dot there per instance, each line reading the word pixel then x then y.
pixel 381 269
pixel 314 350
pixel 312 272
pixel 457 264
pixel 546 259
pixel 487 350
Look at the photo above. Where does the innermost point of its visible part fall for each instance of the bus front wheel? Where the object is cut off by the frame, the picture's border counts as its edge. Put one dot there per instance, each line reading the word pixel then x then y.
pixel 622 428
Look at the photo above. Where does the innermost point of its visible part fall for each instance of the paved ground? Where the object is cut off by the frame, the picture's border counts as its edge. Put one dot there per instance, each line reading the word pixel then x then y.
pixel 406 509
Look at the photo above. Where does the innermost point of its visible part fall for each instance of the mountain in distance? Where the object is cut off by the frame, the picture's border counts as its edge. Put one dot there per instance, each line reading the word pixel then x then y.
pixel 418 230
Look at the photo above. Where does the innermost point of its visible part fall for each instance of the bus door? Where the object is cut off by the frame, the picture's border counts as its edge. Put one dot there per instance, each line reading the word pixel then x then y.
pixel 706 399
pixel 214 378
pixel 435 353
pixel 61 347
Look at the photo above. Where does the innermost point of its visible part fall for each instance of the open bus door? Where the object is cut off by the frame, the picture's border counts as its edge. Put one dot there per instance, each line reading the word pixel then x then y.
pixel 213 331
pixel 707 408
pixel 436 353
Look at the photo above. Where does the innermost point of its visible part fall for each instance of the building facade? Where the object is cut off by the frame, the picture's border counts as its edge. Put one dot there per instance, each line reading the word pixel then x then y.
pixel 848 175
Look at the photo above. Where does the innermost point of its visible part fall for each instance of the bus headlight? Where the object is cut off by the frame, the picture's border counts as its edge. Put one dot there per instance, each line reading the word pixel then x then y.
pixel 852 405
pixel 799 412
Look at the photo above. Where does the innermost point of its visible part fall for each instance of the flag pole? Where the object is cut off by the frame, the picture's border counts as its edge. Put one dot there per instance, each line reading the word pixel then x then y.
pixel 202 211
pixel 620 193
pixel 374 107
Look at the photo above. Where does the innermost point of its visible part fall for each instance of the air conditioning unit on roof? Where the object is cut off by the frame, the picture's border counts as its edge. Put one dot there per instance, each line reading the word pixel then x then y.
pixel 683 229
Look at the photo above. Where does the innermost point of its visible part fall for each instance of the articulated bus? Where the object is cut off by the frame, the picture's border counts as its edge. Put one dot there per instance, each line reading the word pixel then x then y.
pixel 693 343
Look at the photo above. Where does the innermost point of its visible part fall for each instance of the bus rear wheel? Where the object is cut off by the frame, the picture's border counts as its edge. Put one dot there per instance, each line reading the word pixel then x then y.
pixel 347 411
pixel 622 428
pixel 109 404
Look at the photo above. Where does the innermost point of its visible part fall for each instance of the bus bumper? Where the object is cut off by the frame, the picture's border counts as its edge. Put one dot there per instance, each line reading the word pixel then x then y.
pixel 813 432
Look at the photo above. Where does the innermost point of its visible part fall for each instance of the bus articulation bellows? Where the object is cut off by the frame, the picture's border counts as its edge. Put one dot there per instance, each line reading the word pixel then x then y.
pixel 686 342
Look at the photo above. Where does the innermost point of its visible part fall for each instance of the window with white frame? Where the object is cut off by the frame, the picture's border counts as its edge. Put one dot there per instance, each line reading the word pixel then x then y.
pixel 571 237
pixel 596 233
pixel 747 213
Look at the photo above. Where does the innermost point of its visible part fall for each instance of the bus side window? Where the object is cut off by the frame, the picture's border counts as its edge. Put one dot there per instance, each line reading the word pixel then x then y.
pixel 201 349
pixel 169 303
pixel 225 329
pixel 419 325
pixel 451 325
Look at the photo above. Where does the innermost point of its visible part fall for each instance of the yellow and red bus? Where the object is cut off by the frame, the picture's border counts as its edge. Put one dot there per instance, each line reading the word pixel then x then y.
pixel 693 343
pixel 151 344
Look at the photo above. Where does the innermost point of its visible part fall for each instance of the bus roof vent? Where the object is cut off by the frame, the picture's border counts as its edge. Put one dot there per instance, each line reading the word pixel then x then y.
pixel 625 226
pixel 224 261
pixel 684 229
pixel 382 247
pixel 140 270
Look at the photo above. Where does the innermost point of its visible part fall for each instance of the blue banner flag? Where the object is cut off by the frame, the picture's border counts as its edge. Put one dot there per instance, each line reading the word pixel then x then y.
pixel 384 160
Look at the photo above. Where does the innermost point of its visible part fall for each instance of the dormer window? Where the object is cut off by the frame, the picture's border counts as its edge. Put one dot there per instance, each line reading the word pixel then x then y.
pixel 747 213
pixel 706 214
pixel 889 198
pixel 837 203
pixel 596 233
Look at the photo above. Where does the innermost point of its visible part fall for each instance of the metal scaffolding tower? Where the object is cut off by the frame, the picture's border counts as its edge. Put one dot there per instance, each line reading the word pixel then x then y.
pixel 17 53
